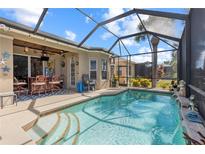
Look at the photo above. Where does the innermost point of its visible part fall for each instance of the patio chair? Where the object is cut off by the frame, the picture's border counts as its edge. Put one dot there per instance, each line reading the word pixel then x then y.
pixel 87 83
pixel 55 83
pixel 39 85
pixel 19 87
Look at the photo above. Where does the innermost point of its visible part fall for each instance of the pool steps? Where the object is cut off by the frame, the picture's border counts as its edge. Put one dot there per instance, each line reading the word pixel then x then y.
pixel 72 136
pixel 43 127
pixel 75 140
pixel 66 130
pixel 47 128
pixel 55 135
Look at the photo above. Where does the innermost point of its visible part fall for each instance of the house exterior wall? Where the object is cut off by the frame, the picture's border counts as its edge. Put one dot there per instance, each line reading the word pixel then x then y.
pixel 6 75
pixel 123 77
pixel 80 56
pixel 84 68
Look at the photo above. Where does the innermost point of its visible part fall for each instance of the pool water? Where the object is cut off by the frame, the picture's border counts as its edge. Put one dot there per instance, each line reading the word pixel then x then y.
pixel 131 117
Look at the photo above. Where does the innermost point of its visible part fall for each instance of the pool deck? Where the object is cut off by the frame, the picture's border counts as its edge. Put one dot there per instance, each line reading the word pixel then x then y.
pixel 15 120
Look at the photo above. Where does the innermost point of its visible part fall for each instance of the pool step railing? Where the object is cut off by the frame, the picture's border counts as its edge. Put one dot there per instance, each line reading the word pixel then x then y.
pixel 58 133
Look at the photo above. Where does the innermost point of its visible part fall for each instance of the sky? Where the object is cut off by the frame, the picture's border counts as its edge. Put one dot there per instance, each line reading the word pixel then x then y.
pixel 72 25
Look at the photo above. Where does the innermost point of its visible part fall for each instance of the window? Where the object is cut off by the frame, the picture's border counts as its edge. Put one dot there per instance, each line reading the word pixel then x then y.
pixel 93 69
pixel 104 69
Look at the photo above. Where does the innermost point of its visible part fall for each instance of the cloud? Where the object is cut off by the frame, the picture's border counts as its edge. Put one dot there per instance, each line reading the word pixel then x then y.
pixel 130 42
pixel 163 56
pixel 28 16
pixel 112 12
pixel 121 27
pixel 128 25
pixel 161 25
pixel 70 35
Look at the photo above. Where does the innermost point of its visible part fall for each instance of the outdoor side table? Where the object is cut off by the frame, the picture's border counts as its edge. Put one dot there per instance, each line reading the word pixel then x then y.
pixel 8 94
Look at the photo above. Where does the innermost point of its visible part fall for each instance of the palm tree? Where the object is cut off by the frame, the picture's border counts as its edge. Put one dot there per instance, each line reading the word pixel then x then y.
pixel 173 63
pixel 158 24
pixel 154 42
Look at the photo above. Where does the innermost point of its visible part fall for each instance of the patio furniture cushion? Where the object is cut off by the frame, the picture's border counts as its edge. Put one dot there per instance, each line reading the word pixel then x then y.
pixel 20 83
pixel 38 83
pixel 54 82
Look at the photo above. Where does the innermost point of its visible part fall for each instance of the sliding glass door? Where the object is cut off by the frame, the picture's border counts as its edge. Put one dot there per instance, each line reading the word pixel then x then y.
pixel 20 67
pixel 26 66
pixel 36 66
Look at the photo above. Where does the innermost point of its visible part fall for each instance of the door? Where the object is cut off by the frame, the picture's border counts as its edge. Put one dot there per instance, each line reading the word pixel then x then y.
pixel 72 74
pixel 36 66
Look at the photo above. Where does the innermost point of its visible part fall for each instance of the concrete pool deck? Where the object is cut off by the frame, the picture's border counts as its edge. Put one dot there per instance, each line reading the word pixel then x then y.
pixel 15 120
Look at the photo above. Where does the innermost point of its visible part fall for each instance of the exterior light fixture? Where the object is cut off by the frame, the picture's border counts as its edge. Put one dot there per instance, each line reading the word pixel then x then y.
pixel 26 49
pixel 44 56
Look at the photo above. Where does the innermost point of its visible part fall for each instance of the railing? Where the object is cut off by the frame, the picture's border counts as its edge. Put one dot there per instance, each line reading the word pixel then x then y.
pixel 199 91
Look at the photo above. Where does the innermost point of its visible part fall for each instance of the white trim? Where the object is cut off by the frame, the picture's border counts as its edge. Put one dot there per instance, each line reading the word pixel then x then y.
pixel 43 65
pixel 21 54
pixel 106 68
pixel 72 86
pixel 29 66
pixel 7 37
pixel 96 66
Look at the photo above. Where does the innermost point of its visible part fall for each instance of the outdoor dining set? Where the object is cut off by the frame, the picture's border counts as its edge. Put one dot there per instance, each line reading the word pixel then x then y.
pixel 37 85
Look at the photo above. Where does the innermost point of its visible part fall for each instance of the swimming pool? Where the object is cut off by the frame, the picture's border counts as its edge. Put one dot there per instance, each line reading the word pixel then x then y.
pixel 131 117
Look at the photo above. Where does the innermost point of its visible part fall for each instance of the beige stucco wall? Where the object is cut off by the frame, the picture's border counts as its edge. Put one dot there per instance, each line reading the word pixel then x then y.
pixel 84 67
pixel 6 79
pixel 79 54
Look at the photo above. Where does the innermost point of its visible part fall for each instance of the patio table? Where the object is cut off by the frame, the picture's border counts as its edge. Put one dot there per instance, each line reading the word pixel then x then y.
pixel 7 94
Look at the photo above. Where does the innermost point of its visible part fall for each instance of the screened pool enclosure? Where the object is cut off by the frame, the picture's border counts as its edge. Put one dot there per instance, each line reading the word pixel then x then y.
pixel 144 43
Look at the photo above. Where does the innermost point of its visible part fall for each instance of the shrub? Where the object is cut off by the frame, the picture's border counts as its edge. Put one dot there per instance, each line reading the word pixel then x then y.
pixel 145 83
pixel 164 84
pixel 136 83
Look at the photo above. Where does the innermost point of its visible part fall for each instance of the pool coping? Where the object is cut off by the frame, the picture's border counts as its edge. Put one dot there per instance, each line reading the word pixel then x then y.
pixel 50 108
pixel 53 110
